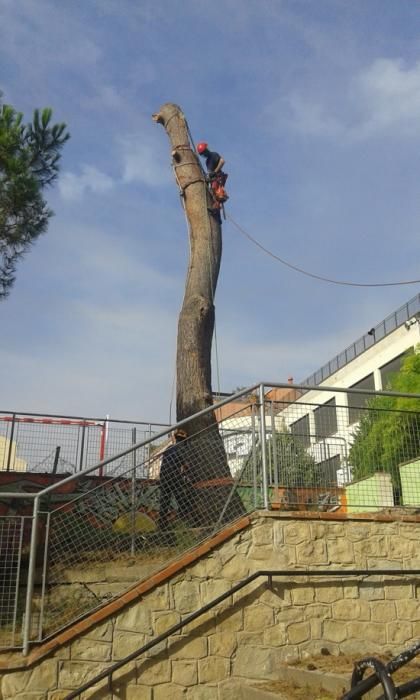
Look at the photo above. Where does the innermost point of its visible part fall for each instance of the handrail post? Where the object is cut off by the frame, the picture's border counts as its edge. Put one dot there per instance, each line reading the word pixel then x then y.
pixel 263 433
pixel 12 434
pixel 31 578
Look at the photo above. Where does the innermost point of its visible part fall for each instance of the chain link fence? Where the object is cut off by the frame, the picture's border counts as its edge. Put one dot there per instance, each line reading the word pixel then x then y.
pixel 288 449
pixel 11 604
pixel 65 445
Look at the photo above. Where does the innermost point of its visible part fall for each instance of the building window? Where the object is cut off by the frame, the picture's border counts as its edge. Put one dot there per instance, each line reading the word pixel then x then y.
pixel 357 402
pixel 392 367
pixel 300 429
pixel 328 471
pixel 326 419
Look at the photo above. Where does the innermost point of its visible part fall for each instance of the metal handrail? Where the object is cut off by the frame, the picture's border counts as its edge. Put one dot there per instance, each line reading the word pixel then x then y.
pixel 132 448
pixel 261 386
pixel 269 574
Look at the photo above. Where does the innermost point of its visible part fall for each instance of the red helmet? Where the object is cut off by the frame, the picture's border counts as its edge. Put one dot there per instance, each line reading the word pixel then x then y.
pixel 201 147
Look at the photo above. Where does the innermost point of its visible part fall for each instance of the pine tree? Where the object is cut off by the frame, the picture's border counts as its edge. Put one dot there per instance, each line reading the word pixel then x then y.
pixel 29 162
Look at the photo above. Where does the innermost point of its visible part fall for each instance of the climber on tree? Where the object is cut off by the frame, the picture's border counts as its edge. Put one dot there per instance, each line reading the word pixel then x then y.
pixel 217 178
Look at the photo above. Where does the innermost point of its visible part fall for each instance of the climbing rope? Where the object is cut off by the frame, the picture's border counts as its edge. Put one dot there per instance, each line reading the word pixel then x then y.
pixel 312 274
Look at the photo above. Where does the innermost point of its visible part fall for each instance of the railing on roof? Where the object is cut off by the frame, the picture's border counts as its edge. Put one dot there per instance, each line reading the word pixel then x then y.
pixel 374 335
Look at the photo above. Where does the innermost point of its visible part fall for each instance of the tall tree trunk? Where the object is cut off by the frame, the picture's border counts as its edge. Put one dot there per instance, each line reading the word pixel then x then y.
pixel 196 319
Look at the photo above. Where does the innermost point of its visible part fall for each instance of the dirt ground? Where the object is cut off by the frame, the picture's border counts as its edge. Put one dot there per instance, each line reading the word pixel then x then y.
pixel 342 665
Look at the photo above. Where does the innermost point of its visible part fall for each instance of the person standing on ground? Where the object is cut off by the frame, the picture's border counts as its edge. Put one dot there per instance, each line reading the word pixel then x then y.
pixel 175 482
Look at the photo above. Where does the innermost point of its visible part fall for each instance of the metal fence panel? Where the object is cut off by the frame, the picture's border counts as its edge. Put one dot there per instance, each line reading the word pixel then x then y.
pixel 160 505
pixel 11 540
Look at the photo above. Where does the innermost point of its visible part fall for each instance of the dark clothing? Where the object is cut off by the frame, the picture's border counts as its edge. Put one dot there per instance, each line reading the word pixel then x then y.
pixel 212 161
pixel 174 481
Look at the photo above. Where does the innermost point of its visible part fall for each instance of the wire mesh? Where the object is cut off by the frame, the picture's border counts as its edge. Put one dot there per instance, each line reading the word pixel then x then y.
pixel 351 453
pixel 325 450
pixel 30 443
pixel 165 502
pixel 11 538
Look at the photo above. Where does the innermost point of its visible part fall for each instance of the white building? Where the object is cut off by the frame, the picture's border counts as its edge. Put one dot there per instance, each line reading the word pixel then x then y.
pixel 325 421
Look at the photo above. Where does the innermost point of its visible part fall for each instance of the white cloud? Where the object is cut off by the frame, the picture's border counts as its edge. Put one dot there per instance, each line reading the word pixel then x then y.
pixel 73 187
pixel 142 161
pixel 390 92
pixel 384 96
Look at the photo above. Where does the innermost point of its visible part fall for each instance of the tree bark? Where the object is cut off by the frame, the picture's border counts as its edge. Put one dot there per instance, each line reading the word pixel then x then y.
pixel 197 316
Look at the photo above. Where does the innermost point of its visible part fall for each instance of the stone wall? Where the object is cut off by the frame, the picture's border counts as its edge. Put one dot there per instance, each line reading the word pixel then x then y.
pixel 254 631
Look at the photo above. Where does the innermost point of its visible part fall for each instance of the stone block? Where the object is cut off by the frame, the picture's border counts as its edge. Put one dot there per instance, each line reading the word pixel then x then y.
pixel 371 631
pixel 303 595
pixel 350 610
pixel 383 563
pixel 319 531
pixel 400 548
pixel 297 532
pixel 186 596
pixel 373 546
pixel 318 611
pixel 202 692
pixel 275 636
pixel 410 531
pixel 256 662
pixel 162 621
pixel 90 650
pixel 169 690
pixel 262 552
pixel 222 644
pixel 356 532
pixel 311 553
pixel 136 618
pixel 408 609
pixel 250 638
pixel 230 620
pixel 262 534
pixel 328 593
pixel 350 590
pixel 258 617
pixel 290 615
pixel 398 591
pixel 125 643
pixel 382 611
pixel 316 628
pixel 152 671
pixel 187 648
pixel 72 674
pixel 213 588
pixel 334 631
pixel 40 678
pixel 399 632
pixel 158 598
pixel 278 533
pixel 277 596
pixel 232 689
pixel 138 692
pixel 371 591
pixel 237 569
pixel 298 632
pixel 213 669
pixel 340 551
pixel 185 672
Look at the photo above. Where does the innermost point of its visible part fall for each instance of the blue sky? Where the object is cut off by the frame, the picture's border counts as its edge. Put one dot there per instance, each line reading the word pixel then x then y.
pixel 315 107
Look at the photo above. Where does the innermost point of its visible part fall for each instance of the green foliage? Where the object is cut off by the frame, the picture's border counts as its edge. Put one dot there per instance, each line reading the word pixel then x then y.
pixel 389 432
pixel 29 162
pixel 296 467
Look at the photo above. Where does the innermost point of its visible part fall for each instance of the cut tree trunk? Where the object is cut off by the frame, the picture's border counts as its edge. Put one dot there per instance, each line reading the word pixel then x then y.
pixel 196 319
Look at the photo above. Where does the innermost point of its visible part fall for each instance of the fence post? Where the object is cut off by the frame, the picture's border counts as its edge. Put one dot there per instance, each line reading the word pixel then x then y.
pixel 133 494
pixel 263 447
pixel 12 434
pixel 31 578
